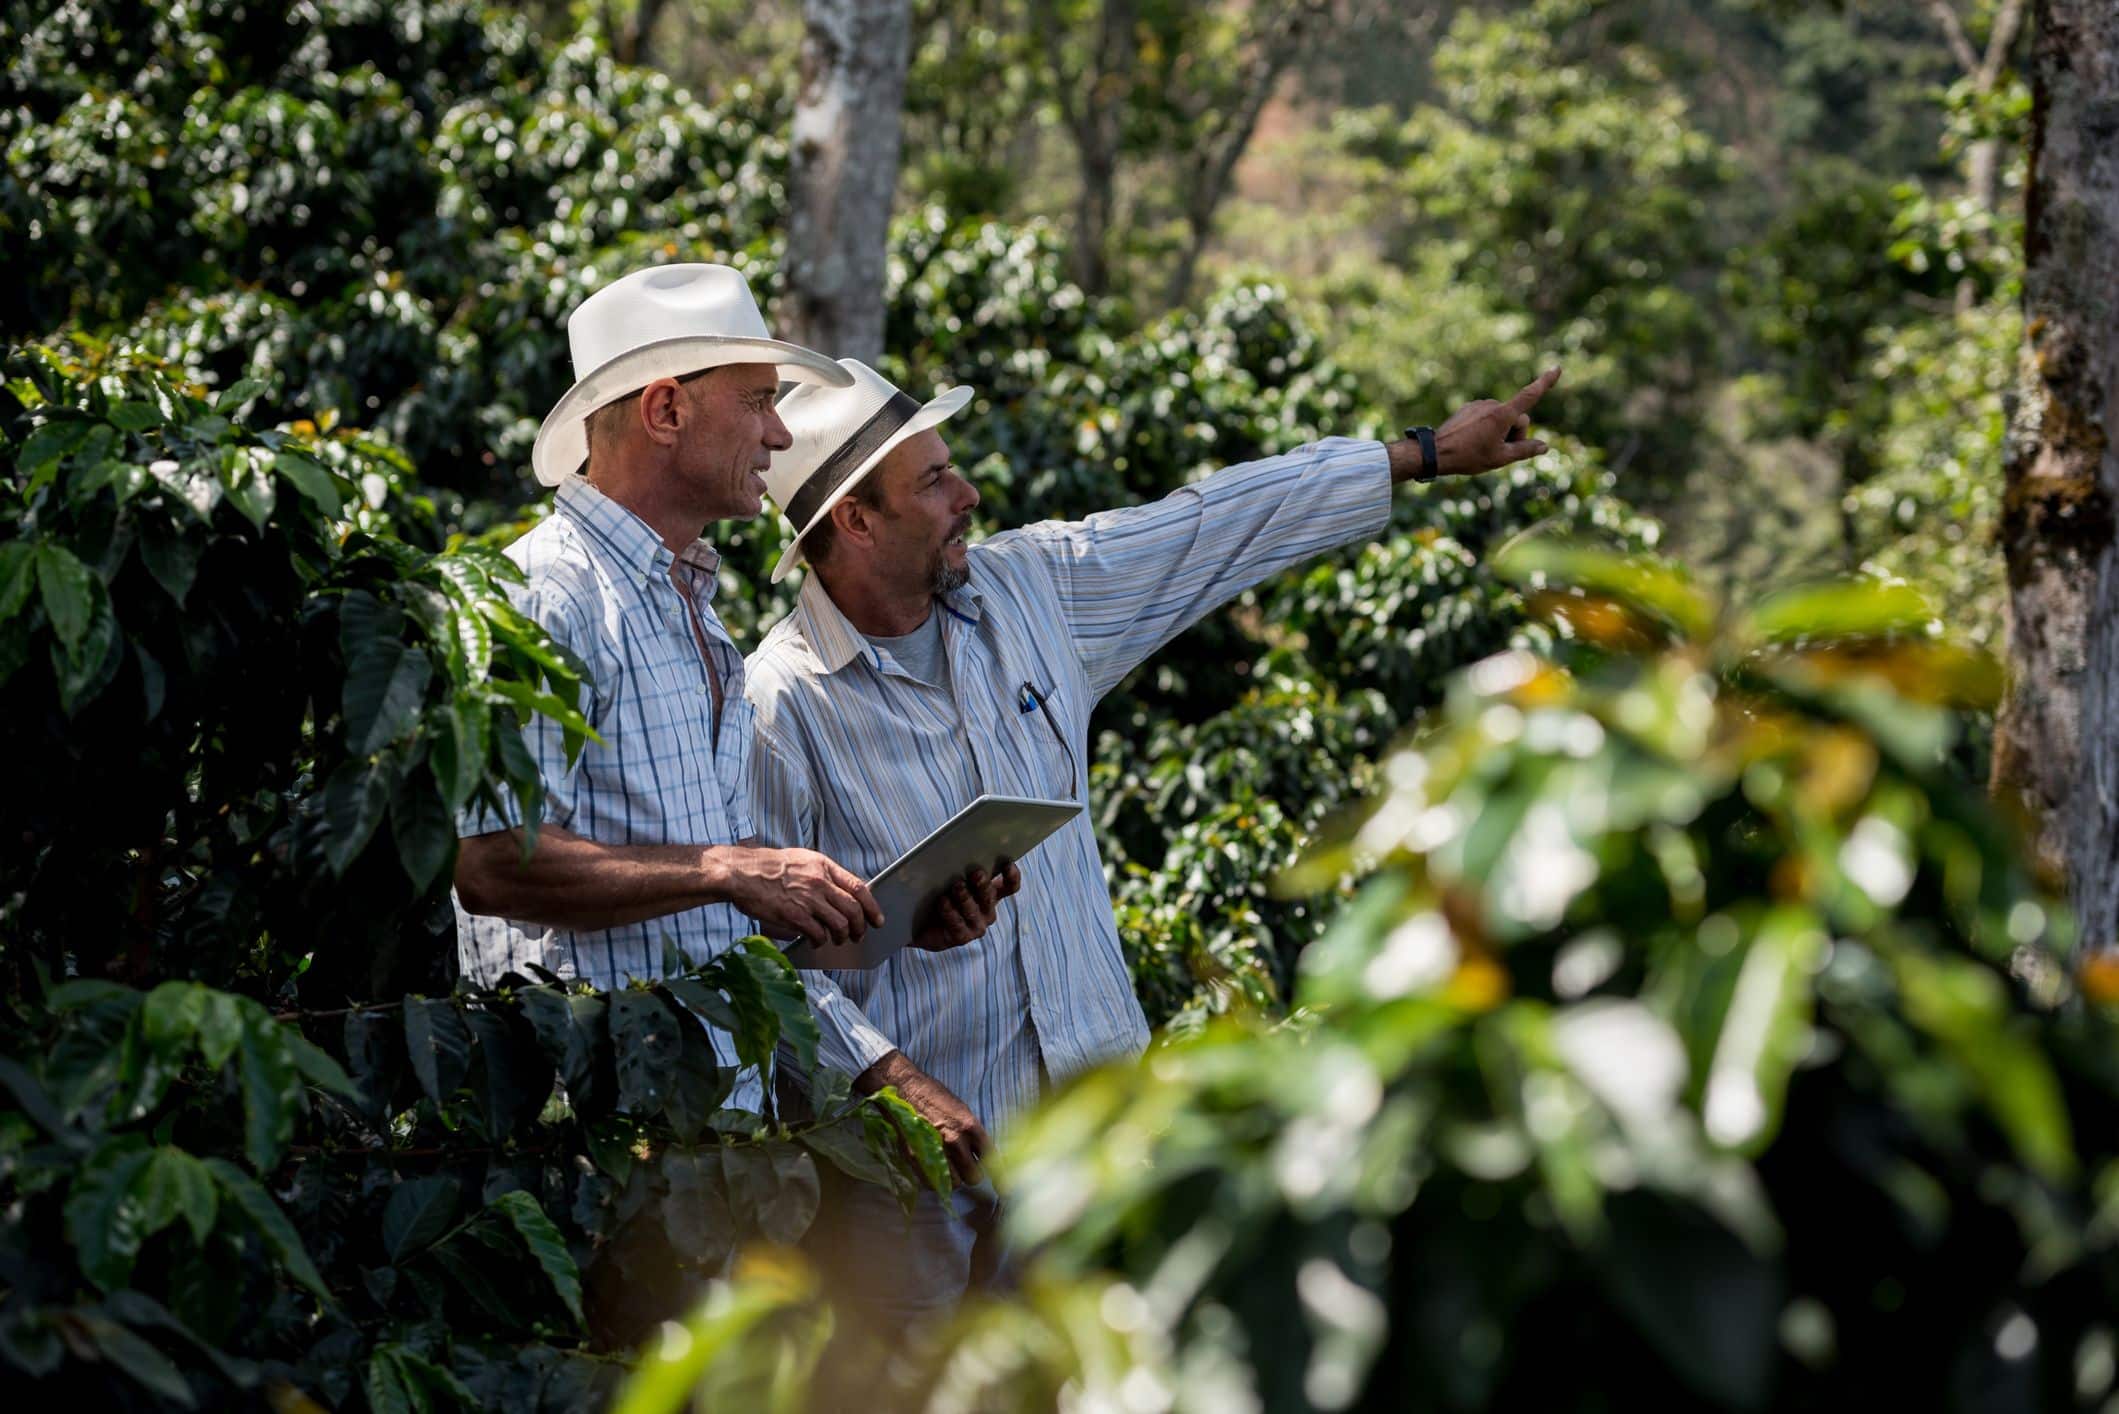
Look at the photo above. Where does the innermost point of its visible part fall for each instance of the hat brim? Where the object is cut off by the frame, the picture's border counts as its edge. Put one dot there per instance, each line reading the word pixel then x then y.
pixel 943 407
pixel 562 439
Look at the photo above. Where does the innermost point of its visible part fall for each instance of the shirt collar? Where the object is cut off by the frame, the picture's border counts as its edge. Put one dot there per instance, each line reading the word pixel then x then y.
pixel 628 538
pixel 831 636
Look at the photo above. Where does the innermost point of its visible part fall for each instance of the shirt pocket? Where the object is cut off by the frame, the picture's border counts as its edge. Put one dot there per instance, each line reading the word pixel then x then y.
pixel 1048 762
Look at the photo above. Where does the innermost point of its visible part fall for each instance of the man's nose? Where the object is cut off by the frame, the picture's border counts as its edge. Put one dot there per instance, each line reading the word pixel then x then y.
pixel 777 437
pixel 967 495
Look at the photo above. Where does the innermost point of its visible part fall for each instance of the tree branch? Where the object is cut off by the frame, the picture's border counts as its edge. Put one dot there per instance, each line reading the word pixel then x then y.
pixel 1953 31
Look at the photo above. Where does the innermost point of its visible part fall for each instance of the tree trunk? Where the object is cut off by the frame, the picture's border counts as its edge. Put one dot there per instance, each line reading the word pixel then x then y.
pixel 2056 748
pixel 1092 104
pixel 844 173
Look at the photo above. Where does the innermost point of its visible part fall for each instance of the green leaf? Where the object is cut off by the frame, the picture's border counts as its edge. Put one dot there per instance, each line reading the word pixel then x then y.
pixel 134 415
pixel 174 1185
pixel 170 1018
pixel 461 734
pixel 697 1085
pixel 386 683
pixel 310 478
pixel 69 590
pixel 757 1028
pixel 44 447
pixel 573 1033
pixel 423 827
pixel 171 556
pixel 354 801
pixel 920 1137
pixel 18 572
pixel 86 668
pixel 272 1089
pixel 250 490
pixel 528 700
pixel 220 1028
pixel 545 1244
pixel 1965 1007
pixel 398 1381
pixel 1653 586
pixel 420 1210
pixel 34 1102
pixel 84 992
pixel 237 393
pixel 645 1045
pixel 318 1067
pixel 1764 1031
pixel 154 1371
pixel 782 986
pixel 697 1217
pixel 670 1373
pixel 845 1143
pixel 513 1079
pixel 1844 608
pixel 772 1188
pixel 439 1044
pixel 474 644
pixel 374 1051
pixel 105 1219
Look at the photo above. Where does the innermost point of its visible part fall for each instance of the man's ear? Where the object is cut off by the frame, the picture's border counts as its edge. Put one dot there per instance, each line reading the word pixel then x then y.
pixel 662 411
pixel 854 520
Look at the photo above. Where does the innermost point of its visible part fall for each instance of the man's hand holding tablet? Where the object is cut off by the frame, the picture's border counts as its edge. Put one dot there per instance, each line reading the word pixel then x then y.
pixel 968 908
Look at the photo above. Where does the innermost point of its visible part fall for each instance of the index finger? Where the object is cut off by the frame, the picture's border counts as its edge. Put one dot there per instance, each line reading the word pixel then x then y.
pixel 1535 389
pixel 846 880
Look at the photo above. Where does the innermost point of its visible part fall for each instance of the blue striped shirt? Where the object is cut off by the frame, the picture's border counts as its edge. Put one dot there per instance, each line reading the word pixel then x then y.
pixel 860 759
pixel 599 581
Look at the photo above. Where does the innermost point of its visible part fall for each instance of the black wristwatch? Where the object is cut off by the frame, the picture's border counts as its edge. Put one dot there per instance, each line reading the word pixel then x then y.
pixel 1425 436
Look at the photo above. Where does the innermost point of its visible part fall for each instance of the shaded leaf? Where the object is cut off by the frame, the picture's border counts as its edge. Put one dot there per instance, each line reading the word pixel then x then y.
pixel 105 1218
pixel 698 1084
pixel 645 1045
pixel 418 1213
pixel 919 1136
pixel 546 1245
pixel 697 1216
pixel 272 1225
pixel 272 1090
pixel 423 827
pixel 69 590
pixel 154 1371
pixel 353 804
pixel 513 1079
pixel 176 1185
pixel 374 1051
pixel 310 478
pixel 439 1045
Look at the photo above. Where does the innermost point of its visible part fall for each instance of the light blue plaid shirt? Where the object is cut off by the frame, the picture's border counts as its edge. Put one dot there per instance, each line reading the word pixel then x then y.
pixel 860 759
pixel 599 581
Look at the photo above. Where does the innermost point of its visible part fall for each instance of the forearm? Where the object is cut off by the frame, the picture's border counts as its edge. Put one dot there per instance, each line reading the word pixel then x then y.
pixel 572 882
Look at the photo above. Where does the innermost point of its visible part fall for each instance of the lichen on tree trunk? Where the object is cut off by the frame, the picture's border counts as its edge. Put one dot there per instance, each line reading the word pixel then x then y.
pixel 2056 754
pixel 844 173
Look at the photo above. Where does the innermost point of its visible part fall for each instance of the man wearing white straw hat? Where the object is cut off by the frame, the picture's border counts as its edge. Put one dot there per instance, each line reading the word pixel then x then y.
pixel 930 671
pixel 646 834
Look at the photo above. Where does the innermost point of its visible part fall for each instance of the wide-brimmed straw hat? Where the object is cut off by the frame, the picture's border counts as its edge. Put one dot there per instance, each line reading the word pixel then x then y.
pixel 842 433
pixel 662 322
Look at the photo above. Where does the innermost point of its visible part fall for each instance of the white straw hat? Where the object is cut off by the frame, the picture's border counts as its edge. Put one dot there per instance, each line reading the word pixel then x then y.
pixel 662 322
pixel 842 433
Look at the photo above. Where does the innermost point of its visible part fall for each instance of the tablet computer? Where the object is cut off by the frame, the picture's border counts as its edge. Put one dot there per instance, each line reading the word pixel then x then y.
pixel 985 832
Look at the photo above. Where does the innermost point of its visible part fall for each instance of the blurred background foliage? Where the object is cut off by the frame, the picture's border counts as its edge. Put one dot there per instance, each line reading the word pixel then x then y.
pixel 287 298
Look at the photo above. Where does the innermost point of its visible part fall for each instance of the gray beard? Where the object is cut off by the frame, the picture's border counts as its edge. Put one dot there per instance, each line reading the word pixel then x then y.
pixel 944 580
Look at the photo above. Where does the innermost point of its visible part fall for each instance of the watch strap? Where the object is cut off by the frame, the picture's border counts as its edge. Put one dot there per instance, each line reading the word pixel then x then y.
pixel 1425 436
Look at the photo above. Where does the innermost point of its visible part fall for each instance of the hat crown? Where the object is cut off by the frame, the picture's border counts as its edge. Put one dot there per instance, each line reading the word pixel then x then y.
pixel 820 420
pixel 661 302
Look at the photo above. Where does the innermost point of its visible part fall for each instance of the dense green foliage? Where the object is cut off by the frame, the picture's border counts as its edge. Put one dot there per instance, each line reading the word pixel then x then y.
pixel 1696 1040
pixel 1671 1021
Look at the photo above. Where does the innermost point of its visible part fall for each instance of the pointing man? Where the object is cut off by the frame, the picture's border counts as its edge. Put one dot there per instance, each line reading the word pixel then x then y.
pixel 928 671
